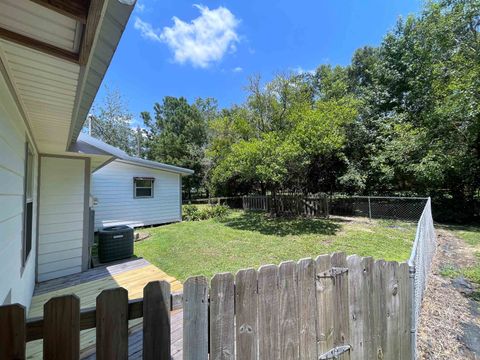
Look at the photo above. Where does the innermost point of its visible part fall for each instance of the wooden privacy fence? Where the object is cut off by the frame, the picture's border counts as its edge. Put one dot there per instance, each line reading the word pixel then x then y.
pixel 288 205
pixel 333 307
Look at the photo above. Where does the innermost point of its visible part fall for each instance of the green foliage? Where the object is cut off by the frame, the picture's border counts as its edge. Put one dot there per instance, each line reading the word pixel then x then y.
pixel 111 121
pixel 403 117
pixel 177 134
pixel 204 212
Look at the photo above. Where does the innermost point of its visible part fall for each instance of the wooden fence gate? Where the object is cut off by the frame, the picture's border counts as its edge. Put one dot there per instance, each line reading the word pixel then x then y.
pixel 288 205
pixel 333 307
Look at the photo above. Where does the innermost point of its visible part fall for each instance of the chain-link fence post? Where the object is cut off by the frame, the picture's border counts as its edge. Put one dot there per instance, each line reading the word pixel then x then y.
pixel 369 209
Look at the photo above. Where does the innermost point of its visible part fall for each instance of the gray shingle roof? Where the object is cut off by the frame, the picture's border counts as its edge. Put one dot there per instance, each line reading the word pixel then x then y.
pixel 89 145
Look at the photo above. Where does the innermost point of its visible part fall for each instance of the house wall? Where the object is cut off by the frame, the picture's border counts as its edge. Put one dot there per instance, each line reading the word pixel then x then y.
pixel 112 188
pixel 17 282
pixel 62 217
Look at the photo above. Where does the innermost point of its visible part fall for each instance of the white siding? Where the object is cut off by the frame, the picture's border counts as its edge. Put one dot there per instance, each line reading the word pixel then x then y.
pixel 62 204
pixel 112 186
pixel 16 284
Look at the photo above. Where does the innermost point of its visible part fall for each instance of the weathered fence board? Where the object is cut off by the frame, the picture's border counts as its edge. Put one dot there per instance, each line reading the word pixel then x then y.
pixel 404 314
pixel 379 308
pixel 246 314
pixel 222 330
pixel 112 324
pixel 307 305
pixel 288 205
pixel 288 321
pixel 325 308
pixel 268 311
pixel 333 307
pixel 392 308
pixel 61 333
pixel 341 323
pixel 12 332
pixel 360 306
pixel 195 319
pixel 156 321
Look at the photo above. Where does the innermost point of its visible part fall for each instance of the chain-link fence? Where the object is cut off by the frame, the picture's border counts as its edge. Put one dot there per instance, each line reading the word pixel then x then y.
pixel 420 262
pixel 378 207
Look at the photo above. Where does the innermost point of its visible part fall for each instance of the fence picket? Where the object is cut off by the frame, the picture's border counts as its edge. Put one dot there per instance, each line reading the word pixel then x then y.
pixel 195 319
pixel 392 307
pixel 112 324
pixel 307 304
pixel 268 306
pixel 379 309
pixel 360 298
pixel 404 313
pixel 222 331
pixel 288 321
pixel 295 311
pixel 156 320
pixel 341 322
pixel 246 314
pixel 324 295
pixel 61 333
pixel 12 332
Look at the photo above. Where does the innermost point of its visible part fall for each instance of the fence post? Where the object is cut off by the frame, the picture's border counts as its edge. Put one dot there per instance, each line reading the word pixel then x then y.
pixel 413 330
pixel 61 329
pixel 112 324
pixel 156 320
pixel 369 209
pixel 195 318
pixel 12 332
pixel 327 207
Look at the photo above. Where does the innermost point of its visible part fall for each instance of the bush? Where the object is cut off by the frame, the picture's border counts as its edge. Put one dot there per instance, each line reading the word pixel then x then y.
pixel 204 212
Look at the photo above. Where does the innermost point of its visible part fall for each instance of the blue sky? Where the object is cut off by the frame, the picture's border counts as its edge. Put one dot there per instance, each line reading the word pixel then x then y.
pixel 210 48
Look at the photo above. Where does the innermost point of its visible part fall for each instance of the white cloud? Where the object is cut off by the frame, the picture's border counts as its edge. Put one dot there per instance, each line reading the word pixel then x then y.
pixel 139 7
pixel 299 70
pixel 203 41
pixel 146 30
pixel 237 69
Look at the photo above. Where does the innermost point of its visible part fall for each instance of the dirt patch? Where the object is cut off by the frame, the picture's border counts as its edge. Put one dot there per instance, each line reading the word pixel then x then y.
pixel 448 321
pixel 141 235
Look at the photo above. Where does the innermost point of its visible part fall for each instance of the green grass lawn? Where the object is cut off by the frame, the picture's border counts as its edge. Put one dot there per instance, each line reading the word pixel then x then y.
pixel 471 235
pixel 251 239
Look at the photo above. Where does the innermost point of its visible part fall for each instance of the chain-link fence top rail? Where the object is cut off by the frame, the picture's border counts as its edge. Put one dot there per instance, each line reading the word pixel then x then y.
pixel 420 262
pixel 378 207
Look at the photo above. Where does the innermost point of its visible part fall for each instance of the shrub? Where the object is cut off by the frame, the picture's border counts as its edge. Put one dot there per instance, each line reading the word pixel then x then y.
pixel 204 212
pixel 190 212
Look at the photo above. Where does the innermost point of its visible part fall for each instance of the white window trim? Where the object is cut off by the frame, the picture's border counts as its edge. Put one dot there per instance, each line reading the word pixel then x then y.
pixel 135 187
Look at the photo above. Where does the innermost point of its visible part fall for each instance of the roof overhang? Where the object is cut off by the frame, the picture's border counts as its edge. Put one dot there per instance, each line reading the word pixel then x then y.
pixel 54 55
pixel 90 146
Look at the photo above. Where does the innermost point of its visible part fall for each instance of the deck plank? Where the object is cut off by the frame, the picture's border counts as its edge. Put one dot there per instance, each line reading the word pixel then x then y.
pixel 132 275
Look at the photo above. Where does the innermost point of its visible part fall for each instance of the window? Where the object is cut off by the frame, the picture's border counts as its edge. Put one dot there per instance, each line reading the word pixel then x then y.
pixel 143 187
pixel 28 209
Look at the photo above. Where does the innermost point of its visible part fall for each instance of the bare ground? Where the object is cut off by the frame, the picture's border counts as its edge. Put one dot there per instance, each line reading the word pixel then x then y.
pixel 448 316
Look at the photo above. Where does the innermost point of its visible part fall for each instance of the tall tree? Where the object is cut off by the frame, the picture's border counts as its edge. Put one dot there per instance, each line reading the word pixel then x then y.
pixel 111 122
pixel 177 134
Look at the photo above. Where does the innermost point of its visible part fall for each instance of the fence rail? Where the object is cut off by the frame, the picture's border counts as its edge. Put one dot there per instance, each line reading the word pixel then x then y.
pixel 346 307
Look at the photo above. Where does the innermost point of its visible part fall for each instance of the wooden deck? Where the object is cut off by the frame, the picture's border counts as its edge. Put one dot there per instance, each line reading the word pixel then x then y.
pixel 132 275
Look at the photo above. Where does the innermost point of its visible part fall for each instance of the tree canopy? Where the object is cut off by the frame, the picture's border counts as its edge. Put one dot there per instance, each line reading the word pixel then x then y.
pixel 401 118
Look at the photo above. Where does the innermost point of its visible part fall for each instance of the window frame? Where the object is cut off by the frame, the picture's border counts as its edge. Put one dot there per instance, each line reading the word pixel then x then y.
pixel 28 203
pixel 151 187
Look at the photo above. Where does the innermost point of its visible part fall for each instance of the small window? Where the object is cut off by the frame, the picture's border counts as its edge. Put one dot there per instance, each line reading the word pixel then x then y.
pixel 143 187
pixel 28 209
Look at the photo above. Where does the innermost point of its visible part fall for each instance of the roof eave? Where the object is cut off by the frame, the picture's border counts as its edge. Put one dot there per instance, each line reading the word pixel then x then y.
pixel 160 166
pixel 112 18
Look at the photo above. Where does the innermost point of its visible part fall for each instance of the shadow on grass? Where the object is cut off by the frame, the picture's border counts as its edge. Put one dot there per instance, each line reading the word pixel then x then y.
pixel 262 223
